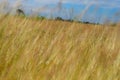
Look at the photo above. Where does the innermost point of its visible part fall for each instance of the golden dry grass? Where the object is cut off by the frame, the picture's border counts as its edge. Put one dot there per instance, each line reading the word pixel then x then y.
pixel 55 50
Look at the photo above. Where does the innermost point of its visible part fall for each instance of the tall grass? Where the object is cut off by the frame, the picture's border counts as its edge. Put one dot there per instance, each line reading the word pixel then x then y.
pixel 33 49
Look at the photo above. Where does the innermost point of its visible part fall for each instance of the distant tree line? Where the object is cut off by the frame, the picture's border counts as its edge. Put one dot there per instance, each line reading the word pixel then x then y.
pixel 21 12
pixel 70 20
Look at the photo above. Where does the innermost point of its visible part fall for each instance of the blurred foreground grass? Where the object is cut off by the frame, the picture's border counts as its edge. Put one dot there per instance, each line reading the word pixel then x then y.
pixel 57 50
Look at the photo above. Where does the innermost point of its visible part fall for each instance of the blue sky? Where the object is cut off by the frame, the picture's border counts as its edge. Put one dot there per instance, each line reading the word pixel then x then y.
pixel 85 10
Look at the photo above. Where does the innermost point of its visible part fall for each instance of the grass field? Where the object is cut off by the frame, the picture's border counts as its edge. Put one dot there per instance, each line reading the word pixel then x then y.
pixel 33 49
